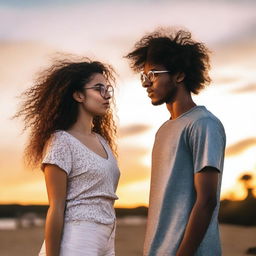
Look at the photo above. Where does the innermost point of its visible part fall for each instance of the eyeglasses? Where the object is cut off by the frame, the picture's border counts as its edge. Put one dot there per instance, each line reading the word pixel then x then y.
pixel 150 76
pixel 104 90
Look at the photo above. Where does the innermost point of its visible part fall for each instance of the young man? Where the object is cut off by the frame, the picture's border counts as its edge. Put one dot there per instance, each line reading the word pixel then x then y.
pixel 188 153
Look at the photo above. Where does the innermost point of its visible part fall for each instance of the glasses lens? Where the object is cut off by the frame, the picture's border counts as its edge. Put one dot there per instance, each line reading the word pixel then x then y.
pixel 146 78
pixel 142 77
pixel 110 91
pixel 107 91
pixel 151 76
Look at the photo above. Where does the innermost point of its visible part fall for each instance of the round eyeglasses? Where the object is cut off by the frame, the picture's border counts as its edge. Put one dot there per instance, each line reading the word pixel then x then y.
pixel 105 91
pixel 150 76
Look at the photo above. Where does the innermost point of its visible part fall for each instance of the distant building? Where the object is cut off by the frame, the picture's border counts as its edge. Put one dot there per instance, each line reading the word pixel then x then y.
pixel 29 219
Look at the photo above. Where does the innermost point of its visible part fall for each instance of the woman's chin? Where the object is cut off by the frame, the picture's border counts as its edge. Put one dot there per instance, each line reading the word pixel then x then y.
pixel 101 113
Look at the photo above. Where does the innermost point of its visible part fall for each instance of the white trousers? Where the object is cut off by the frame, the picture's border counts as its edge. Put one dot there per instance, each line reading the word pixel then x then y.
pixel 86 238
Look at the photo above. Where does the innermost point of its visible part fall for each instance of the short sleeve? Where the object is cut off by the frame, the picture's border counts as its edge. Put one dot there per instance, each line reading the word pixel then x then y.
pixel 58 152
pixel 207 142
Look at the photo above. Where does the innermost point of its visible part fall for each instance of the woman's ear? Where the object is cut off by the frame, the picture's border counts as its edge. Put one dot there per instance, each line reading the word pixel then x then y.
pixel 78 96
pixel 180 76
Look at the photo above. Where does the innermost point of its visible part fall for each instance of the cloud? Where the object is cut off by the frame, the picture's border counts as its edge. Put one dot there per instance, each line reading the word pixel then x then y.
pixel 132 130
pixel 20 60
pixel 227 80
pixel 32 3
pixel 240 146
pixel 245 89
pixel 55 27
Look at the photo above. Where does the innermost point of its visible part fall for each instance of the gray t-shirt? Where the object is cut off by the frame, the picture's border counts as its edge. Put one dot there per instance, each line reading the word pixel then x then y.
pixel 91 179
pixel 182 147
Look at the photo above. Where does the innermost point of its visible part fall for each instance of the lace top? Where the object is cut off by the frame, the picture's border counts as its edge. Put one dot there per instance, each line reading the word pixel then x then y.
pixel 92 179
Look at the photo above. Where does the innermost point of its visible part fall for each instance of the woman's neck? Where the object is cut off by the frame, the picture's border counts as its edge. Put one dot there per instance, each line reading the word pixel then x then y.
pixel 83 125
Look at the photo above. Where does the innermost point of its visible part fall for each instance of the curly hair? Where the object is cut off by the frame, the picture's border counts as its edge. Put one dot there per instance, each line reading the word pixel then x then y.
pixel 49 106
pixel 177 52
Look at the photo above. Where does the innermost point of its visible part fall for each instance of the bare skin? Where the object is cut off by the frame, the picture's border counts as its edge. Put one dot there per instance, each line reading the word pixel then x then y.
pixel 56 183
pixel 90 106
pixel 205 182
pixel 206 189
pixel 91 103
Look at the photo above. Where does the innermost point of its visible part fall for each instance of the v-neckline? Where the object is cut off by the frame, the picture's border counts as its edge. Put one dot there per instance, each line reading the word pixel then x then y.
pixel 90 150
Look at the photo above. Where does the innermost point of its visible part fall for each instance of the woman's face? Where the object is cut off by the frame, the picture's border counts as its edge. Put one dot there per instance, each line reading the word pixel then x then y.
pixel 93 99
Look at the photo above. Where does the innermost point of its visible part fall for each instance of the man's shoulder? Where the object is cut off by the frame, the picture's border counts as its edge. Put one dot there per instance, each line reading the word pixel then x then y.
pixel 204 121
pixel 198 117
pixel 203 116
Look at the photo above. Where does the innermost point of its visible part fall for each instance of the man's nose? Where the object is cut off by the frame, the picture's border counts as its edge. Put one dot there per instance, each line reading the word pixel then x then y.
pixel 147 83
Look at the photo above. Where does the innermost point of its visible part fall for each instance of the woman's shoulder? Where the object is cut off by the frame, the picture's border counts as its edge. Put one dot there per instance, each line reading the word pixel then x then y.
pixel 58 151
pixel 60 134
pixel 59 137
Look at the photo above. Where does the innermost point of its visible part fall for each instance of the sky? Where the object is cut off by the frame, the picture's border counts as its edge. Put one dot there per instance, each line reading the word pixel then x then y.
pixel 34 33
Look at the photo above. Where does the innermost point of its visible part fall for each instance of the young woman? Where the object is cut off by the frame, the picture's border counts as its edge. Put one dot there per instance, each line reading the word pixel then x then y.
pixel 72 138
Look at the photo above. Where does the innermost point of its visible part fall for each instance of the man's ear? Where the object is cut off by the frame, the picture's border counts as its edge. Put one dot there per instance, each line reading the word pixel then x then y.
pixel 179 77
pixel 78 96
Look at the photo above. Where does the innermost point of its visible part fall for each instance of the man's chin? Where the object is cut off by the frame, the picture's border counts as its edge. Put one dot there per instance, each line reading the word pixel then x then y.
pixel 157 102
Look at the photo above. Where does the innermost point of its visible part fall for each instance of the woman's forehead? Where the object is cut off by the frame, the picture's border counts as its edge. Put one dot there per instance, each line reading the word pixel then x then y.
pixel 97 78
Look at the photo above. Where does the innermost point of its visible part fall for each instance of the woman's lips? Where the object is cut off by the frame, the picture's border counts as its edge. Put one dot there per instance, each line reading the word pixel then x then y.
pixel 106 105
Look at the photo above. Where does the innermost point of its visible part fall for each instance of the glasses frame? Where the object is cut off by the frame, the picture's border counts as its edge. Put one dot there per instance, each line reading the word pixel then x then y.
pixel 145 77
pixel 103 90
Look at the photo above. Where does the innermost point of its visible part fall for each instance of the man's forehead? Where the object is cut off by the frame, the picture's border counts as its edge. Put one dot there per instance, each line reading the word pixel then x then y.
pixel 150 66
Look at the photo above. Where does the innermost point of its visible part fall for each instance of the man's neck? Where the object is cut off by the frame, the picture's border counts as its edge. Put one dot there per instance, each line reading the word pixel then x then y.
pixel 182 104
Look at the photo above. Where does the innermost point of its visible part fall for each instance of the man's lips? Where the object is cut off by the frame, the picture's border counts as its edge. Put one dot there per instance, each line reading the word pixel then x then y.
pixel 150 94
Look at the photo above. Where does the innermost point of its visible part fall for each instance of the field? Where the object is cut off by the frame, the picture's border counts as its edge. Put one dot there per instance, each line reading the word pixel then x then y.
pixel 129 239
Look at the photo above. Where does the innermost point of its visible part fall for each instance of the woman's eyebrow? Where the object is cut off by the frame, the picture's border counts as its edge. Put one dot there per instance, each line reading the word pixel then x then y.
pixel 99 84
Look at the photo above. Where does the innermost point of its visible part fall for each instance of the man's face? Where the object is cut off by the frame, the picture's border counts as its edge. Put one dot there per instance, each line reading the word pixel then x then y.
pixel 162 89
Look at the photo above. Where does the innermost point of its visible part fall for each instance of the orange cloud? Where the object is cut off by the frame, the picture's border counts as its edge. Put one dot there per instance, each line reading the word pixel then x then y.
pixel 240 146
pixel 245 89
pixel 133 130
pixel 226 80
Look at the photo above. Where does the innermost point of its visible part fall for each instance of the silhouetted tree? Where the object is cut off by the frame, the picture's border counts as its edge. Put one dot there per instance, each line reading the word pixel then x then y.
pixel 246 179
pixel 240 212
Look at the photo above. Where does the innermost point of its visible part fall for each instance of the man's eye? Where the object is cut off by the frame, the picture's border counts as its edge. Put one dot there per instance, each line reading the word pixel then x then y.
pixel 98 88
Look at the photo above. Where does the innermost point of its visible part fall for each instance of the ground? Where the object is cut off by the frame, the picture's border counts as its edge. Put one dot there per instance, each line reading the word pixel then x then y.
pixel 129 239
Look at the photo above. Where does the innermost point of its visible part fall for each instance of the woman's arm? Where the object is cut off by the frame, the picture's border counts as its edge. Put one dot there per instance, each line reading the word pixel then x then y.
pixel 56 184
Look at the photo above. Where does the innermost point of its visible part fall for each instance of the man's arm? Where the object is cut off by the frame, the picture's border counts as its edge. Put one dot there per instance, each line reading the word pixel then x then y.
pixel 206 183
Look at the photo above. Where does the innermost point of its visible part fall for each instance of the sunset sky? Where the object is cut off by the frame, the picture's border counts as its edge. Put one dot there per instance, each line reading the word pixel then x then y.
pixel 33 33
